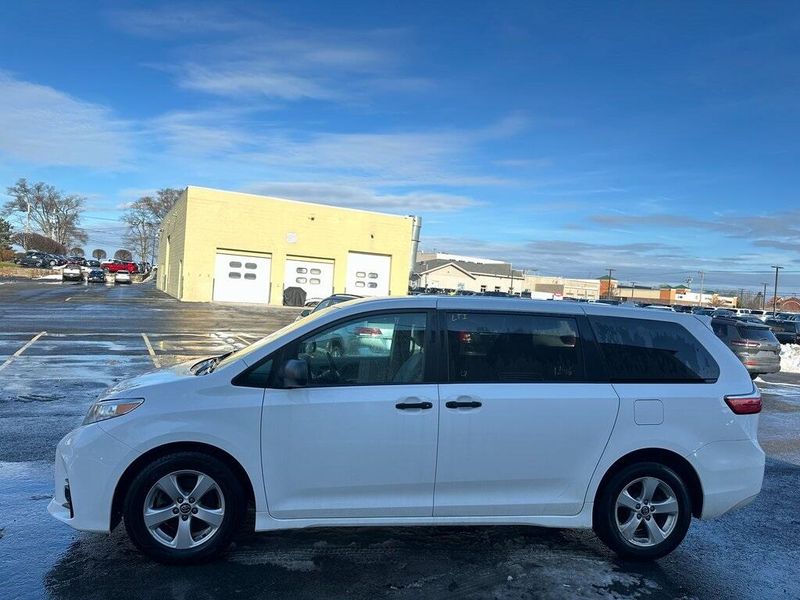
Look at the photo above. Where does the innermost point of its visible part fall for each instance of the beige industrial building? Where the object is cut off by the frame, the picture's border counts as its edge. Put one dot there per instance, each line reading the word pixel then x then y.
pixel 224 246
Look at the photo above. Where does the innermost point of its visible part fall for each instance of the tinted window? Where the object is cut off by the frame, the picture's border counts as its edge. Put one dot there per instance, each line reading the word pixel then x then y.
pixel 755 333
pixel 648 351
pixel 374 350
pixel 512 348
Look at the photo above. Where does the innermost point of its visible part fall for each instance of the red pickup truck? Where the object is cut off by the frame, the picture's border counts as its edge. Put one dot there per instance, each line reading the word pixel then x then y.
pixel 112 266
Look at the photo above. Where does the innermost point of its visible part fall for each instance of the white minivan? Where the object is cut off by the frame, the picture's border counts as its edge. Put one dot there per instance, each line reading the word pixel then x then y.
pixel 476 411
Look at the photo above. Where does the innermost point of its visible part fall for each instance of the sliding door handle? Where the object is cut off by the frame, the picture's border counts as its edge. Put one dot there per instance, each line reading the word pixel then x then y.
pixel 458 404
pixel 413 405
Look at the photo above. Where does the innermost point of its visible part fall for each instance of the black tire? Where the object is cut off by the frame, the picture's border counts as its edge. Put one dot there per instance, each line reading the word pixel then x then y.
pixel 137 495
pixel 754 375
pixel 606 512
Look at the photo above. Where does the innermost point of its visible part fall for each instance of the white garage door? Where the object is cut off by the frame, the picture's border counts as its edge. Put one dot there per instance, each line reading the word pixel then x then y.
pixel 368 274
pixel 314 276
pixel 240 278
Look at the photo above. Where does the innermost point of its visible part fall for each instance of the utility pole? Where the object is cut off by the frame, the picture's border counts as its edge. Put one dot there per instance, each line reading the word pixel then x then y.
pixel 702 285
pixel 633 289
pixel 608 292
pixel 741 297
pixel 764 298
pixel 511 268
pixel 775 297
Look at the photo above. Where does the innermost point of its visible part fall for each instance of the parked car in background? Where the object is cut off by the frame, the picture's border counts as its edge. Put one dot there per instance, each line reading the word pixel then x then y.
pixel 750 319
pixel 38 260
pixel 752 343
pixel 785 316
pixel 122 277
pixel 659 425
pixel 96 276
pixel 723 312
pixel 94 264
pixel 77 260
pixel 787 332
pixel 326 302
pixel 71 272
pixel 758 313
pixel 663 307
pixel 114 266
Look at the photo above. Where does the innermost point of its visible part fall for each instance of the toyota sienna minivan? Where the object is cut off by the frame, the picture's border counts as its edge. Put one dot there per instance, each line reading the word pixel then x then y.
pixel 476 411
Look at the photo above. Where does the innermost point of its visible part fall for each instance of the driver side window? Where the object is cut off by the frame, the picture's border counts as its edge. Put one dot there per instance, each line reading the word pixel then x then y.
pixel 371 350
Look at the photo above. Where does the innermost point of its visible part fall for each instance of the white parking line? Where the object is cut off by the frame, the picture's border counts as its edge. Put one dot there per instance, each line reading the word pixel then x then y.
pixel 781 384
pixel 241 339
pixel 153 357
pixel 19 352
pixel 68 299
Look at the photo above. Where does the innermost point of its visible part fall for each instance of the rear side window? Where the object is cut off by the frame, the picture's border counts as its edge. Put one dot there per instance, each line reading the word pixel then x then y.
pixel 645 351
pixel 513 348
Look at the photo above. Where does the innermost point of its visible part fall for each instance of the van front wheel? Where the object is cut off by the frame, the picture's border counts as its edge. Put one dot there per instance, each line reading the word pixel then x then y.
pixel 643 512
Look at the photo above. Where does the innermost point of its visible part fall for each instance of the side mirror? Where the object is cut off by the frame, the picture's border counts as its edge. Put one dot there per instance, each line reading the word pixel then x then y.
pixel 305 312
pixel 295 373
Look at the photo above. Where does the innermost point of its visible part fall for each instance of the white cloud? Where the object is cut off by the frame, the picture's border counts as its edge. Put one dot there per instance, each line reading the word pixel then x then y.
pixel 44 126
pixel 361 197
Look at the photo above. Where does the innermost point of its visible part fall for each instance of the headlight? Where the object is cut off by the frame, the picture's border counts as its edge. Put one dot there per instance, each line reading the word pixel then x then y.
pixel 108 409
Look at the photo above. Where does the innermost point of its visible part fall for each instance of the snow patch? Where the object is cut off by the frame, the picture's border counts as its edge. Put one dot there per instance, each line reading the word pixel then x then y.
pixel 790 358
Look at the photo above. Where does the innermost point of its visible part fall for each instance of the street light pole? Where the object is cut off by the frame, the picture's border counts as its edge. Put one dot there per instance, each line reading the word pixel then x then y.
pixel 633 289
pixel 775 296
pixel 608 291
pixel 702 286
pixel 764 298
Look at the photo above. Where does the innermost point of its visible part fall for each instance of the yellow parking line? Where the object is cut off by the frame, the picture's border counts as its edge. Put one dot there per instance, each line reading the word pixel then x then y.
pixel 153 357
pixel 19 352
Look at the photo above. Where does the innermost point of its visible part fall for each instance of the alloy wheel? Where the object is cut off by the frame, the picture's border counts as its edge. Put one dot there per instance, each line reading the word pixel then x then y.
pixel 646 511
pixel 184 509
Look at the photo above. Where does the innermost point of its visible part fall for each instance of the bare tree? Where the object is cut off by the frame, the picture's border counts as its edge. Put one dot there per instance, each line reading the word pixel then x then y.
pixel 55 214
pixel 123 254
pixel 144 218
pixel 142 228
pixel 77 251
pixel 99 254
pixel 37 241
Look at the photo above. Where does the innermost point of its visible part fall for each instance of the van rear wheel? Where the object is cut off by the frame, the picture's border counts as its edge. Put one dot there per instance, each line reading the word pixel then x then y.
pixel 643 512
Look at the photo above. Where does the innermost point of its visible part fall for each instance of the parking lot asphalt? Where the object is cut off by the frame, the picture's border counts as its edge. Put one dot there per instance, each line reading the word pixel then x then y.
pixel 62 344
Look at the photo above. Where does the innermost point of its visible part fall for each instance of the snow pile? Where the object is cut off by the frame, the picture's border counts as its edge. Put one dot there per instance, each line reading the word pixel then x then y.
pixel 790 358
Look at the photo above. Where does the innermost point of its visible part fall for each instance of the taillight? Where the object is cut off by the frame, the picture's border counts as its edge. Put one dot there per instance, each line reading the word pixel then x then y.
pixel 745 344
pixel 744 405
pixel 368 331
pixel 464 337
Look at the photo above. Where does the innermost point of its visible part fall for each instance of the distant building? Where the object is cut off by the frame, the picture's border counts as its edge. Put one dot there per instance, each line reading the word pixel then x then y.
pixel 454 273
pixel 457 273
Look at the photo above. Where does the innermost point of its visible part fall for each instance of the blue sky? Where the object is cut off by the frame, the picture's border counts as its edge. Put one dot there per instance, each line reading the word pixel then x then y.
pixel 655 138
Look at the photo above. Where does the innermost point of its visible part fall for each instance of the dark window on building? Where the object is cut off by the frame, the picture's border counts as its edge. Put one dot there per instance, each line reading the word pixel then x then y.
pixel 642 350
pixel 513 348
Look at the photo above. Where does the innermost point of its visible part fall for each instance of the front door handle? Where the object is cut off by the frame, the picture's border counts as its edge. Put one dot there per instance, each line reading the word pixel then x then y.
pixel 457 404
pixel 412 405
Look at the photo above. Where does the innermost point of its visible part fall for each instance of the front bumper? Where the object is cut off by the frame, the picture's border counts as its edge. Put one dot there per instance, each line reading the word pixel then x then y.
pixel 90 462
pixel 731 474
